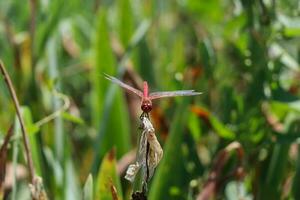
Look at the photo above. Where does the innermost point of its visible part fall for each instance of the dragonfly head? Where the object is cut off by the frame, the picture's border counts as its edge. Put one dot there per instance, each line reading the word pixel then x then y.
pixel 146 106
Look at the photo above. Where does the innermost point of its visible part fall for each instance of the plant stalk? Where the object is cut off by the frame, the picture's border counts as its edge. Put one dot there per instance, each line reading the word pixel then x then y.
pixel 22 124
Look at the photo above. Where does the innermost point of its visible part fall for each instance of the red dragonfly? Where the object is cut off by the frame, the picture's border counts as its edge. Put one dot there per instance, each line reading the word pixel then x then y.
pixel 146 97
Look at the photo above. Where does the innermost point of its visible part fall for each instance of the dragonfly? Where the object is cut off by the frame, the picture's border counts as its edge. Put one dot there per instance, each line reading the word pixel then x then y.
pixel 146 97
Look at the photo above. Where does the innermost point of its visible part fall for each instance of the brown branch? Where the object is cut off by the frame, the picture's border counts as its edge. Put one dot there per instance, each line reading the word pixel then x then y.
pixel 216 177
pixel 3 155
pixel 271 119
pixel 113 191
pixel 24 132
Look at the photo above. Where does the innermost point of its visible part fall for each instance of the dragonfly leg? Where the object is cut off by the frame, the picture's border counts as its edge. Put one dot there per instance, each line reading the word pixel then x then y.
pixel 144 114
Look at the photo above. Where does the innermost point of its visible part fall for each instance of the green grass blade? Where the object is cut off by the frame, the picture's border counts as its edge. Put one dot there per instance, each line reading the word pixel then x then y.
pixel 46 29
pixel 88 190
pixel 125 22
pixel 107 177
pixel 221 129
pixel 296 182
pixel 32 129
pixel 71 187
pixel 54 74
pixel 104 62
pixel 169 177
pixel 16 143
pixel 109 110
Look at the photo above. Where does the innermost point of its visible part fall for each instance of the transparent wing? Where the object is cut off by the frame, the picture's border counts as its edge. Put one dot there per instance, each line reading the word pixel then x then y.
pixel 157 95
pixel 123 85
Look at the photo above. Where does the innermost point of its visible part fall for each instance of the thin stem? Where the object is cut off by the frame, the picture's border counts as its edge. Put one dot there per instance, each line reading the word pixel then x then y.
pixel 144 187
pixel 147 167
pixel 57 112
pixel 15 155
pixel 3 156
pixel 24 132
pixel 7 138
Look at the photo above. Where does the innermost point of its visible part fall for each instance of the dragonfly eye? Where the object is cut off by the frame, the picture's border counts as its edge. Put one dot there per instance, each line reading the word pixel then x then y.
pixel 146 107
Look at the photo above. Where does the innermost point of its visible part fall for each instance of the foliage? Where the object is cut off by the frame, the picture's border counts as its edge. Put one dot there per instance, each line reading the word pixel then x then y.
pixel 243 55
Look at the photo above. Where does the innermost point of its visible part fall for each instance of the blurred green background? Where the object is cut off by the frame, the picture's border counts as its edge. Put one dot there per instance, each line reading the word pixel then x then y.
pixel 238 140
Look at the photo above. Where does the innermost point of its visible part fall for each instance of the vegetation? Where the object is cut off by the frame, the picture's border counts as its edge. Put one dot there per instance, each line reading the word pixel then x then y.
pixel 238 140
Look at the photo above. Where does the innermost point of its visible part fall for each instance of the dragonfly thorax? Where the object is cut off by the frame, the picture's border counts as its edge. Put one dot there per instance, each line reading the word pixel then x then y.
pixel 146 105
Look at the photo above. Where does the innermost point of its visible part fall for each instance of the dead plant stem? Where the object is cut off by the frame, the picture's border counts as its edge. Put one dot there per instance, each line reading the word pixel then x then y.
pixel 23 129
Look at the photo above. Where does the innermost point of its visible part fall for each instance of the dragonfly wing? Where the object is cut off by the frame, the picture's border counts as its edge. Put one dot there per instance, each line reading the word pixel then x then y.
pixel 157 95
pixel 123 85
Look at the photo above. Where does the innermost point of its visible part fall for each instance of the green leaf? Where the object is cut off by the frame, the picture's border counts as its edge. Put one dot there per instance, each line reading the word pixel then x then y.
pixel 165 185
pixel 291 25
pixel 221 129
pixel 204 10
pixel 88 188
pixel 32 129
pixel 285 57
pixel 278 163
pixel 104 62
pixel 236 190
pixel 296 181
pixel 108 107
pixel 295 105
pixel 107 177
pixel 49 25
pixel 125 21
pixel 194 127
pixel 72 118
pixel 71 187
pixel 140 33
